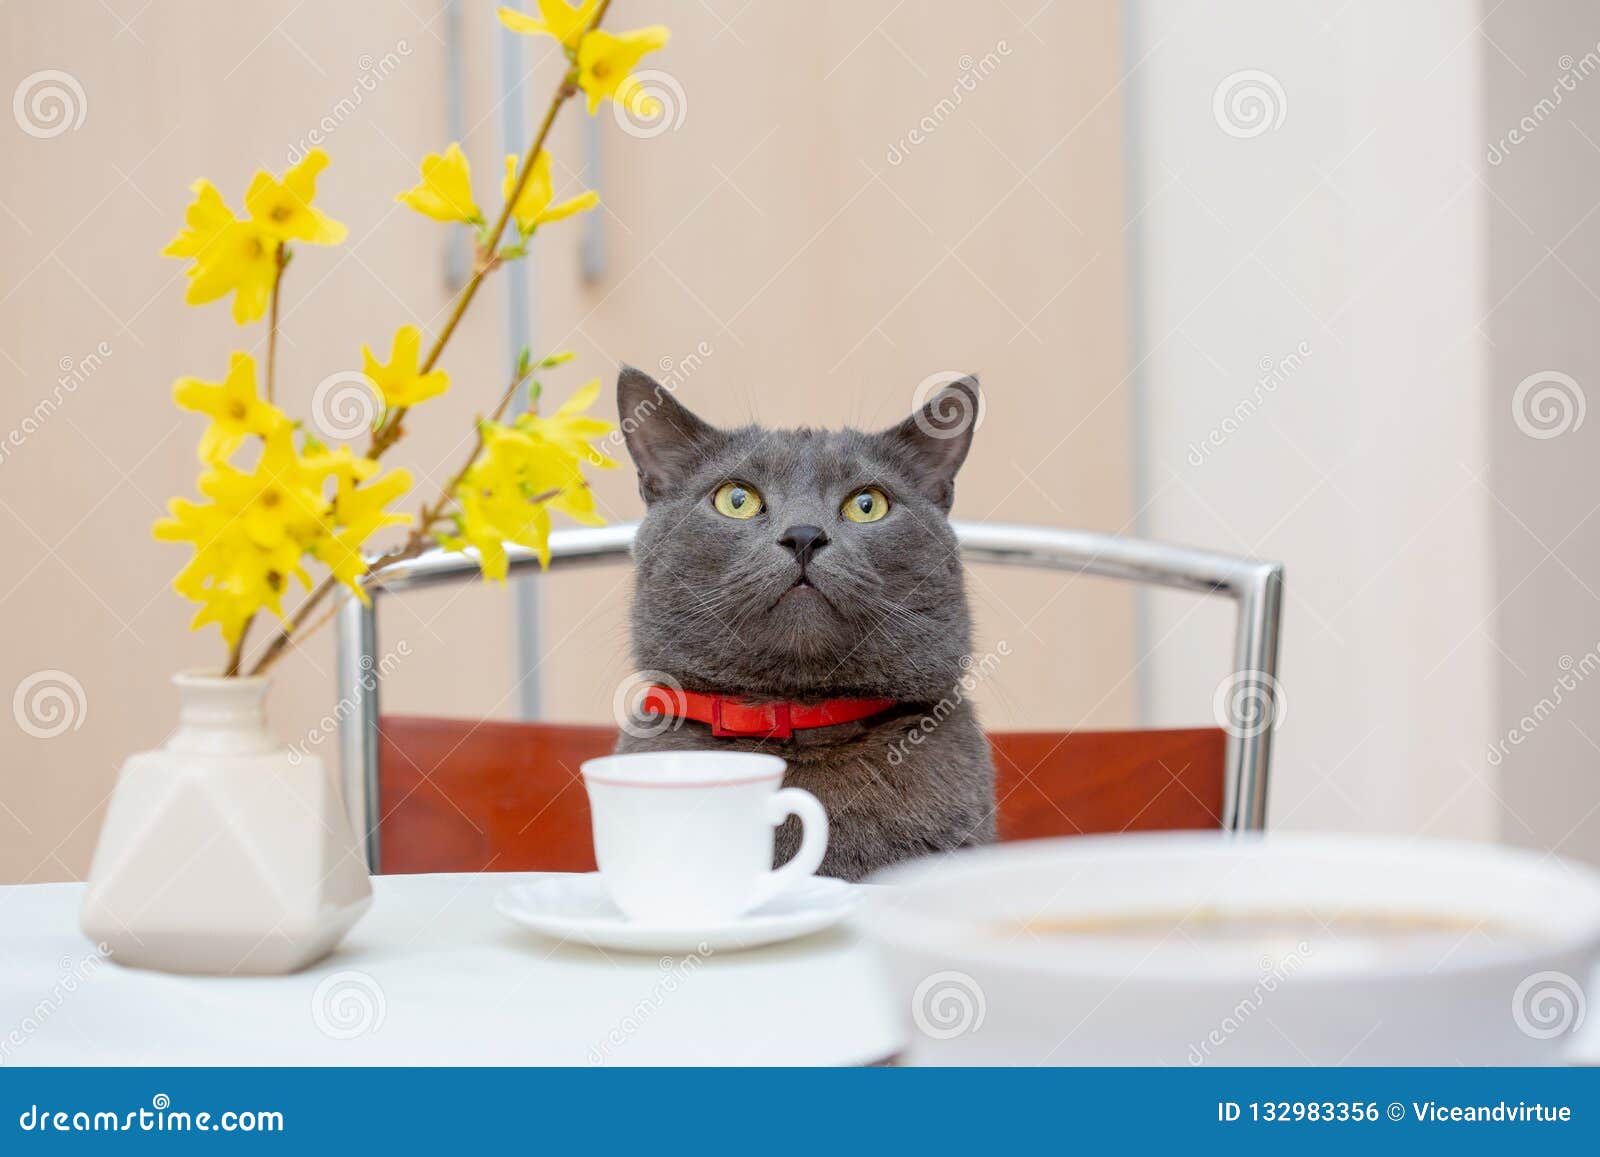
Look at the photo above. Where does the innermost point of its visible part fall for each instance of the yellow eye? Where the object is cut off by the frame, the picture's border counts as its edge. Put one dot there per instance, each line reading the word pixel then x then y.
pixel 866 505
pixel 737 500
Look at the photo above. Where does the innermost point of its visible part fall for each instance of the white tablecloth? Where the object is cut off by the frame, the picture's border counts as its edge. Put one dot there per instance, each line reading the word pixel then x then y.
pixel 433 975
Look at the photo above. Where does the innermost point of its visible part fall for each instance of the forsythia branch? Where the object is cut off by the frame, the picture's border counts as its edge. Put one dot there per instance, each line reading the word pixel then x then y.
pixel 389 433
pixel 390 430
pixel 431 514
pixel 272 323
pixel 236 653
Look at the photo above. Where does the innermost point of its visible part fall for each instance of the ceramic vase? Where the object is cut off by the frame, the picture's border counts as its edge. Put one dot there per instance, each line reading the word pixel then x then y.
pixel 223 851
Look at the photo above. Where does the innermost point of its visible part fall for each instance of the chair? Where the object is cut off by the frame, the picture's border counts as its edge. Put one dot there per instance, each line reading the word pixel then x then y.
pixel 430 794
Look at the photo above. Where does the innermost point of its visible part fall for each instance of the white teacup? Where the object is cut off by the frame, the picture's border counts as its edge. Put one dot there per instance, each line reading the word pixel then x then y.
pixel 686 837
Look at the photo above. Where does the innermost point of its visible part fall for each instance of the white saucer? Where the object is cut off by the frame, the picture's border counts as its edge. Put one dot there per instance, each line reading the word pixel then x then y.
pixel 577 907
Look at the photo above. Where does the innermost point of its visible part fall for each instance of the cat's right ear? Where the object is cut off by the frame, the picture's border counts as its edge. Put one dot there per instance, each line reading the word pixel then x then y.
pixel 937 437
pixel 665 440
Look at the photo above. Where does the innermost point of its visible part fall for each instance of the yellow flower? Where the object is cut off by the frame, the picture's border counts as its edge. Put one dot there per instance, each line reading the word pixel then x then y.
pixel 341 553
pixel 283 208
pixel 193 523
pixel 639 103
pixel 230 576
pixel 280 500
pixel 561 21
pixel 341 464
pixel 570 429
pixel 533 207
pixel 244 580
pixel 445 193
pixel 494 511
pixel 242 256
pixel 205 217
pixel 605 60
pixel 230 255
pixel 401 382
pixel 525 471
pixel 362 510
pixel 235 410
pixel 249 540
pixel 547 472
pixel 227 608
pixel 359 512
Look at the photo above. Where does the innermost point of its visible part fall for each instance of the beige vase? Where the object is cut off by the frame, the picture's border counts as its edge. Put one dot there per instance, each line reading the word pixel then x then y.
pixel 222 852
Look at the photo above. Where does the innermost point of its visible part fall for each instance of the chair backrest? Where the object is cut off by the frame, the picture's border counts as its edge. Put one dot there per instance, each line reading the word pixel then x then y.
pixel 1246 743
pixel 457 795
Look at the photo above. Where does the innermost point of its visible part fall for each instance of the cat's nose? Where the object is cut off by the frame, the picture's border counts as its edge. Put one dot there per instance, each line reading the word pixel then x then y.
pixel 805 540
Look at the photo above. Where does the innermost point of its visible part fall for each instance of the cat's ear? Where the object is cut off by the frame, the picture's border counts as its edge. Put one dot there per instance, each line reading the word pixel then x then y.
pixel 937 437
pixel 664 438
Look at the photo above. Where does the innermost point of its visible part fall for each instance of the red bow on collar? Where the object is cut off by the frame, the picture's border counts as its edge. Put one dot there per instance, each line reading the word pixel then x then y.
pixel 732 716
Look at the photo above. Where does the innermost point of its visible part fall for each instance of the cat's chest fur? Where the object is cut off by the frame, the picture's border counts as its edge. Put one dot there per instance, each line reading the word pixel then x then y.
pixel 889 796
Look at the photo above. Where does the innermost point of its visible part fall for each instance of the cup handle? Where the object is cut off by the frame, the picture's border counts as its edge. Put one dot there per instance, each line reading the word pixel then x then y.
pixel 794 801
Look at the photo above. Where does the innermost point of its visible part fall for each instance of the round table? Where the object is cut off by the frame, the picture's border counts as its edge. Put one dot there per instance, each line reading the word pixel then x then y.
pixel 434 976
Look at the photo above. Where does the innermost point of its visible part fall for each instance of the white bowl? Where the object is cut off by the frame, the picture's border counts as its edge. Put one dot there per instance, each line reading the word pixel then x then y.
pixel 982 983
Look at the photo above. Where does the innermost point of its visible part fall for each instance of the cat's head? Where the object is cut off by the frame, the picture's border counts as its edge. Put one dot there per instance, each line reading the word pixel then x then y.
pixel 799 563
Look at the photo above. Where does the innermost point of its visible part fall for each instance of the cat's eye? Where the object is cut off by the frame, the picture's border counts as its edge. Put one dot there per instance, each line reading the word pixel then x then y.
pixel 737 500
pixel 866 505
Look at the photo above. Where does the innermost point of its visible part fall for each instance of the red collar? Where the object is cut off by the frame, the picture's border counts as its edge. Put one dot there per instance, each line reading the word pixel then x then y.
pixel 730 715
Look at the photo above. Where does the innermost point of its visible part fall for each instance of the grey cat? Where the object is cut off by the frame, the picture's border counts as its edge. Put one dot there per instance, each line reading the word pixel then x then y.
pixel 805 565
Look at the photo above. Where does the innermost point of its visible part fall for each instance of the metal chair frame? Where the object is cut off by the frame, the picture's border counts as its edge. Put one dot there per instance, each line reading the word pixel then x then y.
pixel 1255 586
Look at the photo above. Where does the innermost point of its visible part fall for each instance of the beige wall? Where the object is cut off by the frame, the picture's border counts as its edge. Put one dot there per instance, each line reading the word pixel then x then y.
pixel 185 90
pixel 771 229
pixel 828 281
pixel 1348 244
pixel 1544 274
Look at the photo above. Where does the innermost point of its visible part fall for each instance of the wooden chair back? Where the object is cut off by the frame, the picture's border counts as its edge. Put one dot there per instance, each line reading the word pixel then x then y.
pixel 462 796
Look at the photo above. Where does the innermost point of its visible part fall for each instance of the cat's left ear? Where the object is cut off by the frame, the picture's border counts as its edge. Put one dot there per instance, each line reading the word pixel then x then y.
pixel 937 437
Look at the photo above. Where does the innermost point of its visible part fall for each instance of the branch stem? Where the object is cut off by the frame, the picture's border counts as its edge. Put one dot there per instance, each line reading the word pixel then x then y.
pixel 237 652
pixel 272 323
